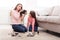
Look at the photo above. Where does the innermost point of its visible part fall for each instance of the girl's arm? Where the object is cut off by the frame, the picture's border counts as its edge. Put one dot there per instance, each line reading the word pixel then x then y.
pixel 33 23
pixel 28 24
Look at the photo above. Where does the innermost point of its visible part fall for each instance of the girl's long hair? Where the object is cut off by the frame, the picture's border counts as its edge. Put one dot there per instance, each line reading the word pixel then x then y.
pixel 32 13
pixel 17 5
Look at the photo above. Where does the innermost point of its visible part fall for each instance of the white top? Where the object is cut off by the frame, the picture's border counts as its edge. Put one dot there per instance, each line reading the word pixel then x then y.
pixel 15 17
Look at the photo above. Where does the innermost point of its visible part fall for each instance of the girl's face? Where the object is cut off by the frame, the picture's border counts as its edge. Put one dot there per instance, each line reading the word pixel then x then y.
pixel 19 7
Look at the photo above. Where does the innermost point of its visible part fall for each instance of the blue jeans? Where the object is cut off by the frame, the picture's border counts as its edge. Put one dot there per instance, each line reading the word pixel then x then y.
pixel 19 28
pixel 35 28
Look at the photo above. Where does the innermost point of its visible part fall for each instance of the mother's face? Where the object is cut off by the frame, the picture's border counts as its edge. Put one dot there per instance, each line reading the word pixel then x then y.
pixel 19 7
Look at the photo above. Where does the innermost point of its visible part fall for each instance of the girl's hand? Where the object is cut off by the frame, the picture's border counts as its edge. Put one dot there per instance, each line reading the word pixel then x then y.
pixel 33 24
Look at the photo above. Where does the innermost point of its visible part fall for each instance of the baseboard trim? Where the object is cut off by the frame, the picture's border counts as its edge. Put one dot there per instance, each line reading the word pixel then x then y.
pixel 53 33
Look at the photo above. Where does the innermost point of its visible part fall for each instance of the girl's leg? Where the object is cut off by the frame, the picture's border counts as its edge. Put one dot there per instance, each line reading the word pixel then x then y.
pixel 30 32
pixel 35 28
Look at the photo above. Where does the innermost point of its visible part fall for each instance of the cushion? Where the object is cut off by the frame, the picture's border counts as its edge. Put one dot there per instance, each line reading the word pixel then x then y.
pixel 44 12
pixel 56 11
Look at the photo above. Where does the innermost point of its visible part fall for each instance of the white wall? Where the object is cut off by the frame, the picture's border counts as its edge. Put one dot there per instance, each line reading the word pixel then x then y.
pixel 37 5
pixel 43 4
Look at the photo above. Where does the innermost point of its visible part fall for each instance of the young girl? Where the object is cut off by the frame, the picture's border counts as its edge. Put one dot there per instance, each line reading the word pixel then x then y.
pixel 32 23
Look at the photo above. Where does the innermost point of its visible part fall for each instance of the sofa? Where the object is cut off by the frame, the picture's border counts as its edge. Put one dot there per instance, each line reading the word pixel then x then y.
pixel 49 19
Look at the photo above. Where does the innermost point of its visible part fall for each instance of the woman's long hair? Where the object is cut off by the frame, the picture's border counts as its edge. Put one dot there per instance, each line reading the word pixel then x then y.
pixel 17 5
pixel 32 13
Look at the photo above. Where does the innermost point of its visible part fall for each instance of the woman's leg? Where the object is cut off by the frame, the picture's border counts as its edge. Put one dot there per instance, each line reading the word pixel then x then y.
pixel 21 28
pixel 14 27
pixel 24 28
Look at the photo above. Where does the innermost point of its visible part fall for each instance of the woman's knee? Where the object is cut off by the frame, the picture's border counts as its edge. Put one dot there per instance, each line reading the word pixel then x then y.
pixel 24 30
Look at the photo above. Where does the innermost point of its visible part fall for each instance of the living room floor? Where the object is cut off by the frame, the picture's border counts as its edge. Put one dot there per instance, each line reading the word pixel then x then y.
pixel 6 30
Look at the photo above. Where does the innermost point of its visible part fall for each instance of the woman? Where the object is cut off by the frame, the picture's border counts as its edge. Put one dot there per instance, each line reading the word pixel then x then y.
pixel 15 17
pixel 32 23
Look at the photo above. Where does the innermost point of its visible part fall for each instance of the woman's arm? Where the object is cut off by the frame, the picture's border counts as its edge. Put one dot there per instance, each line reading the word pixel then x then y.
pixel 33 23
pixel 13 15
pixel 22 17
